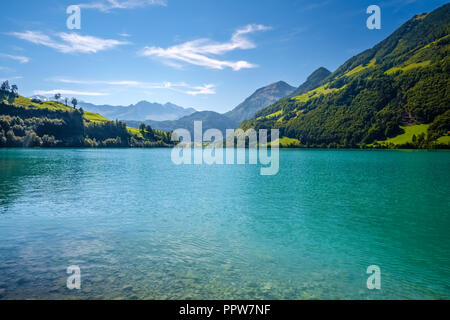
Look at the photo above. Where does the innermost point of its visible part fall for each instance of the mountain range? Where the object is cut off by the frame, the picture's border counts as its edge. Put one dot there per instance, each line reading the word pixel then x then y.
pixel 142 110
pixel 210 120
pixel 261 98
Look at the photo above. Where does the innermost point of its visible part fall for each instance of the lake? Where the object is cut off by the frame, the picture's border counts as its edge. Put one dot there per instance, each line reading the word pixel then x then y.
pixel 140 227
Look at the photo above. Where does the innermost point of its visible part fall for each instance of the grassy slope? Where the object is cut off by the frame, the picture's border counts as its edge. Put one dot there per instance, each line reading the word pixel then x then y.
pixel 408 67
pixel 286 142
pixel 54 105
pixel 408 134
pixel 444 140
pixel 360 68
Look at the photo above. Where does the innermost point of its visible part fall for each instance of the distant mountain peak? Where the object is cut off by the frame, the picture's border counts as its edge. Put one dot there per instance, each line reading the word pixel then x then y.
pixel 260 99
pixel 313 81
pixel 280 83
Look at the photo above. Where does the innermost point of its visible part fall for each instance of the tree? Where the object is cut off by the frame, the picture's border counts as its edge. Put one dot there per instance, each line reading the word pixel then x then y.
pixel 66 100
pixel 142 127
pixel 14 89
pixel 57 96
pixel 5 86
pixel 74 102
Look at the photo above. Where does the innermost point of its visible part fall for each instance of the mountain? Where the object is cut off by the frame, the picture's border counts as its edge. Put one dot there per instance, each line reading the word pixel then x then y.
pixel 312 82
pixel 140 111
pixel 210 120
pixel 393 95
pixel 230 120
pixel 260 99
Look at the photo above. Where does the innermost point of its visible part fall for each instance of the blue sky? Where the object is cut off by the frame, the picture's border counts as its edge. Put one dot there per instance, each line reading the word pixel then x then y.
pixel 206 54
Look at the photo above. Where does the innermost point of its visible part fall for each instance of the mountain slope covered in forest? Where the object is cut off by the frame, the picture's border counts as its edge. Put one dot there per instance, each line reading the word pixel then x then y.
pixel 401 82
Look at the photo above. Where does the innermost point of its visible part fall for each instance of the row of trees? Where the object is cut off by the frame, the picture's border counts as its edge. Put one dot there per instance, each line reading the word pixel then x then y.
pixel 74 101
pixel 7 88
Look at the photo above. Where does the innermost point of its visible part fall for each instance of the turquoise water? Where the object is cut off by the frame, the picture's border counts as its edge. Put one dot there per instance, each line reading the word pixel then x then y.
pixel 140 227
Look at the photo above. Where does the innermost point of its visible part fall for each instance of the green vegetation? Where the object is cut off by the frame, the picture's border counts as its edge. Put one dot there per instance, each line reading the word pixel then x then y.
pixel 408 67
pixel 94 117
pixel 416 136
pixel 360 68
pixel 286 142
pixel 312 82
pixel 409 136
pixel 380 95
pixel 322 90
pixel 445 140
pixel 32 123
pixel 272 115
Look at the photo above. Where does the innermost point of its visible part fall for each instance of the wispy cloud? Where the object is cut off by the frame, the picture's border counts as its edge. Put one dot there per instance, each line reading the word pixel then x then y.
pixel 69 92
pixel 107 5
pixel 6 69
pixel 314 5
pixel 69 42
pixel 199 52
pixel 11 78
pixel 21 59
pixel 202 90
pixel 181 87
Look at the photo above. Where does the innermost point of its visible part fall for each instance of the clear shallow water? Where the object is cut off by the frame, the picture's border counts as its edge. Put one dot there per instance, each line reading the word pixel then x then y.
pixel 140 227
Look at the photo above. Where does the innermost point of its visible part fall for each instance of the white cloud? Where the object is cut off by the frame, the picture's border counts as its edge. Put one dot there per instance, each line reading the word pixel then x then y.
pixel 205 89
pixel 107 5
pixel 69 42
pixel 69 92
pixel 21 59
pixel 181 87
pixel 198 52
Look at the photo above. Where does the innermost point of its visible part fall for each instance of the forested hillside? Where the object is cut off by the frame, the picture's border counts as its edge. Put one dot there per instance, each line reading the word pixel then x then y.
pixel 399 86
pixel 32 123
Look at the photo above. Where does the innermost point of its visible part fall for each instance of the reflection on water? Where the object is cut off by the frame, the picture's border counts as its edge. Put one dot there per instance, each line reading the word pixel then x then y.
pixel 140 227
